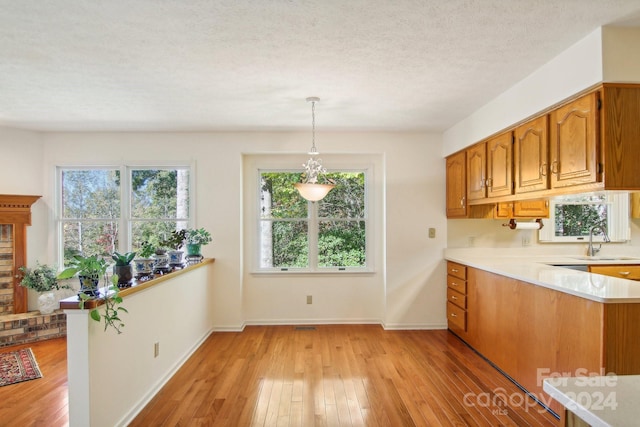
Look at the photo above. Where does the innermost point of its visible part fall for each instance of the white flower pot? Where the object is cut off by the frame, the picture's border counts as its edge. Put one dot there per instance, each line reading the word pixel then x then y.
pixel 47 302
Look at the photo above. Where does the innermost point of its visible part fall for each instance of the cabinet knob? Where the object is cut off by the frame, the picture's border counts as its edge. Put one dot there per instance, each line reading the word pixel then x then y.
pixel 453 315
pixel 454 297
pixel 454 284
pixel 624 273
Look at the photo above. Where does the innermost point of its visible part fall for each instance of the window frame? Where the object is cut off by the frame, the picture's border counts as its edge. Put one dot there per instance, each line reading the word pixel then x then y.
pixel 345 165
pixel 617 220
pixel 125 221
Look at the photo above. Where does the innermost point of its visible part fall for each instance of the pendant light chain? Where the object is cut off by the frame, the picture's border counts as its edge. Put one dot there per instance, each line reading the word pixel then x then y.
pixel 314 150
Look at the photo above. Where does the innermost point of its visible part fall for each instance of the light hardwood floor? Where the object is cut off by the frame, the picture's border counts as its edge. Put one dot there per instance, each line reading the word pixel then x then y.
pixel 331 375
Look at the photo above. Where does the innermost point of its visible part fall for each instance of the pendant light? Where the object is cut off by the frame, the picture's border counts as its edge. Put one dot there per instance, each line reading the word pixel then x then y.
pixel 310 188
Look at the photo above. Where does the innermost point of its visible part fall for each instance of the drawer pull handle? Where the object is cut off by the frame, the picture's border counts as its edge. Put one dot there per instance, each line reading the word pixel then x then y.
pixel 454 297
pixel 454 284
pixel 453 315
pixel 624 273
pixel 454 270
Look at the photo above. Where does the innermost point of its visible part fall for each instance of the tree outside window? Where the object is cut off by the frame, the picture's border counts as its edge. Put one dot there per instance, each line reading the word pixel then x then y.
pixel 100 212
pixel 297 234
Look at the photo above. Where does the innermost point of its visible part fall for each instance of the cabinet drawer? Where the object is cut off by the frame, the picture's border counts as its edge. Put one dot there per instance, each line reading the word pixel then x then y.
pixel 631 272
pixel 456 298
pixel 456 316
pixel 457 270
pixel 457 284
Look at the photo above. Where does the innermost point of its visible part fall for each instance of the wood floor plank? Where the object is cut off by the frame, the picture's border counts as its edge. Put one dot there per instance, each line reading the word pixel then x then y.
pixel 333 375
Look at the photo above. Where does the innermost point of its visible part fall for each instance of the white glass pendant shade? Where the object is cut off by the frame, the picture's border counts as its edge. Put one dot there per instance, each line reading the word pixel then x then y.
pixel 313 192
pixel 310 189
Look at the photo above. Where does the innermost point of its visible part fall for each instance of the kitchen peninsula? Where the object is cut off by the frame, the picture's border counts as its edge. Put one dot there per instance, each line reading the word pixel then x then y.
pixel 533 319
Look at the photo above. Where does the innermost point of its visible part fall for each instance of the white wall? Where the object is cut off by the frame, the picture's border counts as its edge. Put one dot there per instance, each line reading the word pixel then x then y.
pixel 575 69
pixel 113 376
pixel 621 55
pixel 608 54
pixel 489 233
pixel 407 287
pixel 21 172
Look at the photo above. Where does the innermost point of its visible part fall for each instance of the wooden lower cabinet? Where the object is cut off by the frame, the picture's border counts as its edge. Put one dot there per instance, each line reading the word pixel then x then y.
pixel 630 272
pixel 457 297
pixel 531 332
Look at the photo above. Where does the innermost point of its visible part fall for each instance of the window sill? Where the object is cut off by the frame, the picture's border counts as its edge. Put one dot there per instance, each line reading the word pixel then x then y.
pixel 362 272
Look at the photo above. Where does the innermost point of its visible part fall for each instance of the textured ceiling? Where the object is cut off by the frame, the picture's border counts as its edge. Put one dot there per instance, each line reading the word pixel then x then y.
pixel 196 65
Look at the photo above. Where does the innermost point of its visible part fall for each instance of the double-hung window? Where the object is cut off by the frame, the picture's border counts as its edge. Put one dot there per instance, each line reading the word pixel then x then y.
pixel 297 235
pixel 105 209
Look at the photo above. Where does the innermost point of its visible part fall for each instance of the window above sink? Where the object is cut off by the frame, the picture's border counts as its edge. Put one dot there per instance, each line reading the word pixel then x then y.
pixel 572 216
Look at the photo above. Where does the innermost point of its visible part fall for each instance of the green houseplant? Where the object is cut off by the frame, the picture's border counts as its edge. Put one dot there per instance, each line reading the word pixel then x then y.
pixel 175 241
pixel 89 270
pixel 111 300
pixel 42 279
pixel 144 262
pixel 195 238
pixel 123 268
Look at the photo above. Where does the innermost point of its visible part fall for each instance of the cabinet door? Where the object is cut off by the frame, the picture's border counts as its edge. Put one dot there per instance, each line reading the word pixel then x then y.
pixel 499 177
pixel 630 272
pixel 476 171
pixel 503 210
pixel 531 155
pixel 456 186
pixel 574 142
pixel 531 209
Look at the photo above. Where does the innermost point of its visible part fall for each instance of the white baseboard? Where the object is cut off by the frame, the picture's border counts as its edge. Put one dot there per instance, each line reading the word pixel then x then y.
pixel 413 326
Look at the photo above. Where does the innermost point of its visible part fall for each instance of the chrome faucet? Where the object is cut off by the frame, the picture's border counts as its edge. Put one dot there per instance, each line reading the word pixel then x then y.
pixel 591 250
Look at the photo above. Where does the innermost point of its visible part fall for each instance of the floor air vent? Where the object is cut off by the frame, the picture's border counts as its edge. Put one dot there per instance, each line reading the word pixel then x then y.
pixel 305 328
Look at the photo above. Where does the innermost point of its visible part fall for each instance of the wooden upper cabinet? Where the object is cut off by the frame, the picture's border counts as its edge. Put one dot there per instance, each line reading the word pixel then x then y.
pixel 531 209
pixel 476 171
pixel 499 166
pixel 574 142
pixel 531 155
pixel 621 136
pixel 522 209
pixel 456 186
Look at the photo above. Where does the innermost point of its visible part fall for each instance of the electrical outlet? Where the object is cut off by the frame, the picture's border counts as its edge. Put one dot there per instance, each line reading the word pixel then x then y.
pixel 526 240
pixel 432 233
pixel 309 299
pixel 471 241
pixel 156 349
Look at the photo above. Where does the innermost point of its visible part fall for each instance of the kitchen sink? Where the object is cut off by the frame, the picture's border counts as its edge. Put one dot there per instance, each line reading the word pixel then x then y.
pixel 579 267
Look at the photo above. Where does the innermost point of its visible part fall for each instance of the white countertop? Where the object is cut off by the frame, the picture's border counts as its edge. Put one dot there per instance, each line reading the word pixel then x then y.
pixel 537 269
pixel 601 401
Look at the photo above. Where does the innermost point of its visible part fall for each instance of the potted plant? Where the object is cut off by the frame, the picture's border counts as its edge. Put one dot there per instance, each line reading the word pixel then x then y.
pixel 144 263
pixel 111 300
pixel 89 270
pixel 123 268
pixel 195 238
pixel 42 279
pixel 175 241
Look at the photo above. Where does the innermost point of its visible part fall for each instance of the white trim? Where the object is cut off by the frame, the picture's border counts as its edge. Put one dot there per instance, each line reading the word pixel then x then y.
pixel 349 163
pixel 125 220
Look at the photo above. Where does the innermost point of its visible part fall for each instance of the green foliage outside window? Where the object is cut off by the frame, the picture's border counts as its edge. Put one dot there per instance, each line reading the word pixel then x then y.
pixel 577 219
pixel 92 213
pixel 338 221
